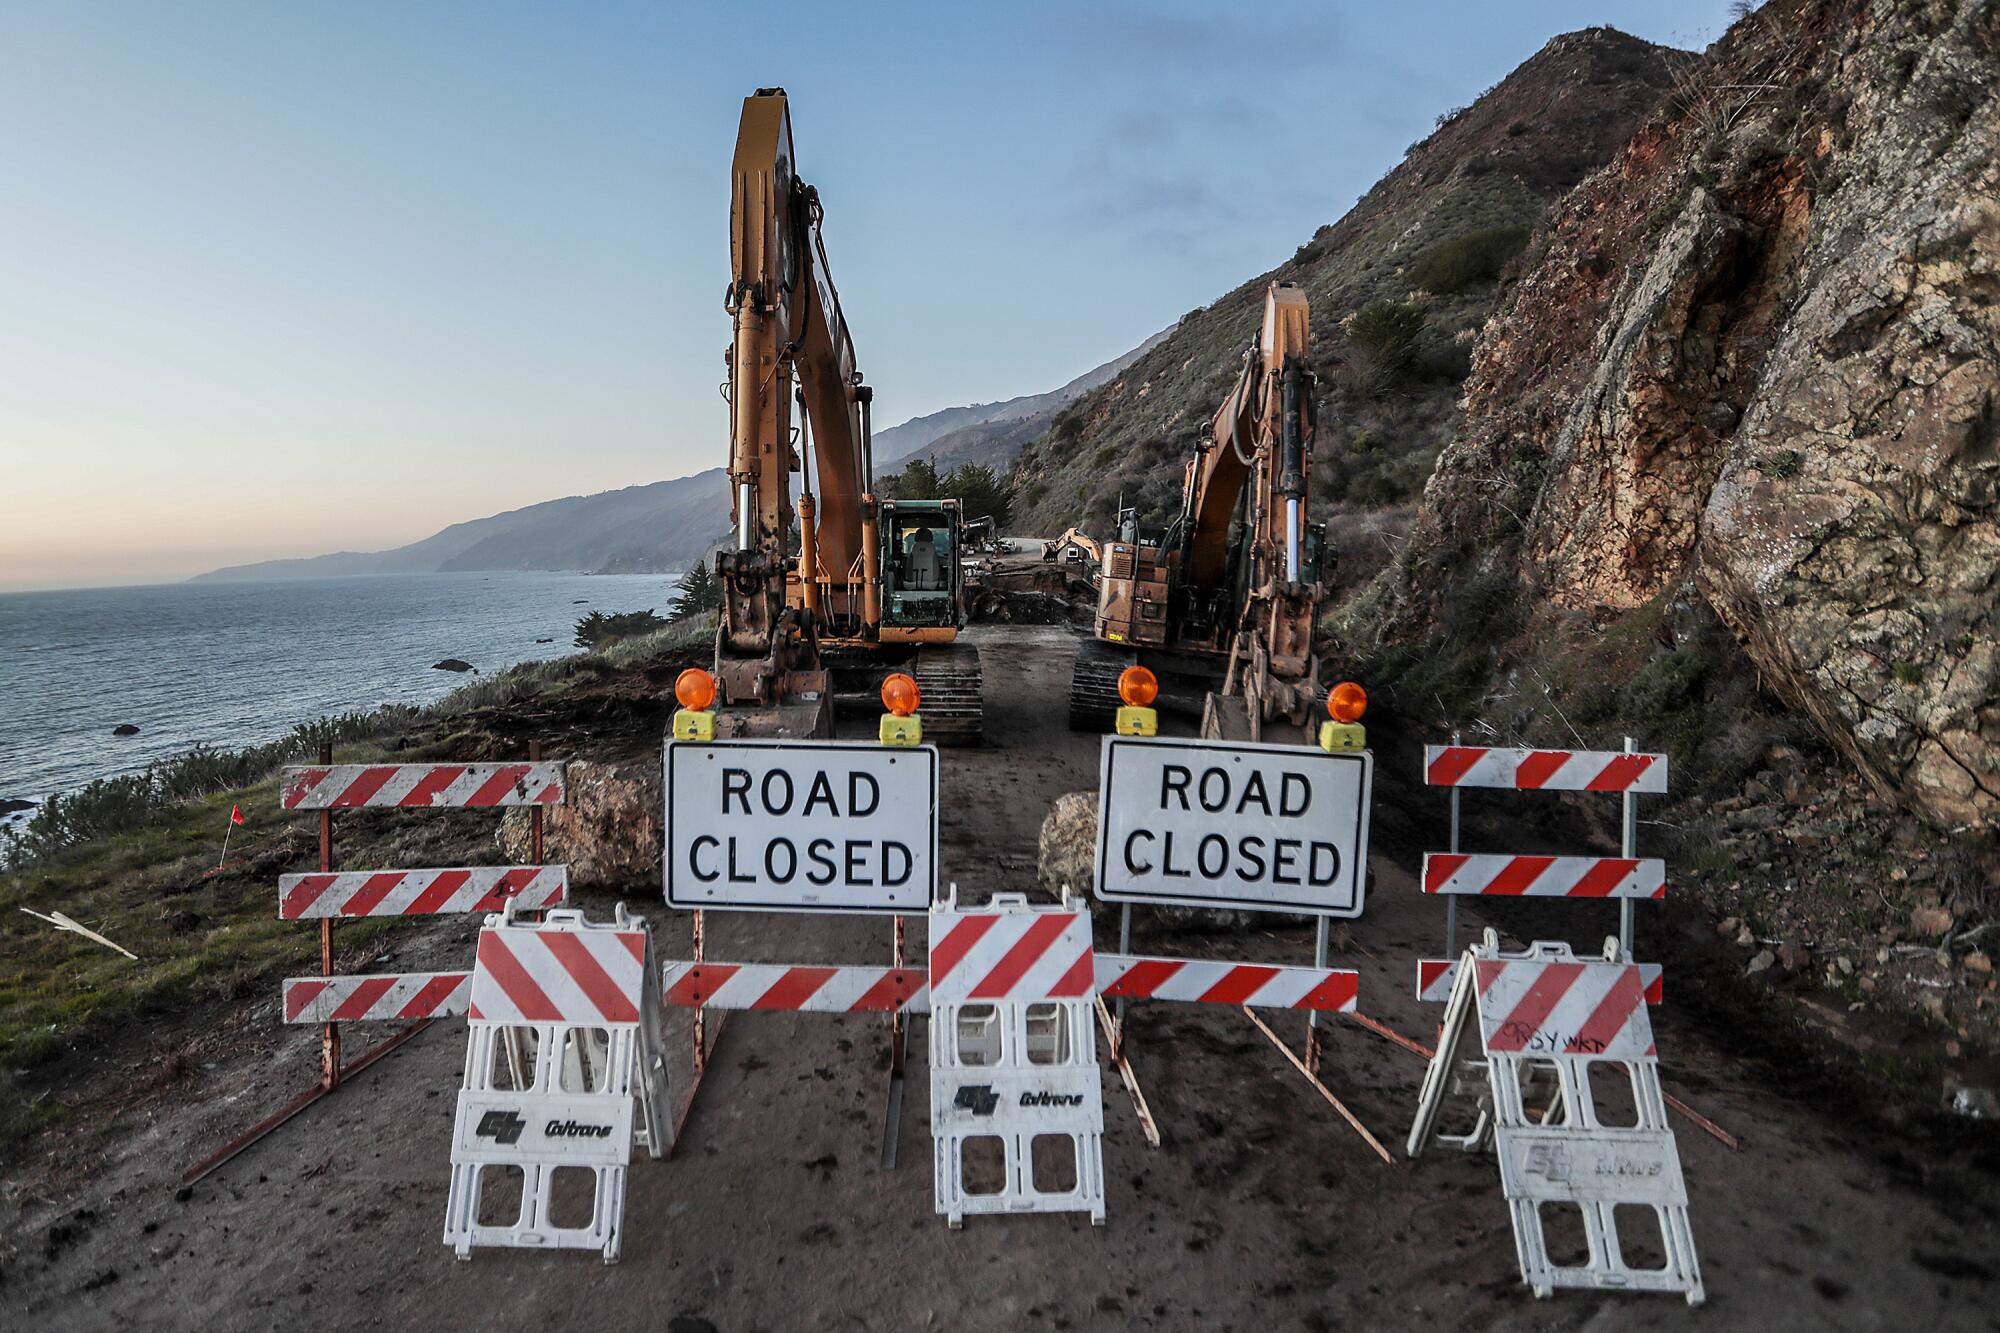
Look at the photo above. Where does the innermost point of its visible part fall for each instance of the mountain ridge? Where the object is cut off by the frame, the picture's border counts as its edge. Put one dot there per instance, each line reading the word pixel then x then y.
pixel 661 527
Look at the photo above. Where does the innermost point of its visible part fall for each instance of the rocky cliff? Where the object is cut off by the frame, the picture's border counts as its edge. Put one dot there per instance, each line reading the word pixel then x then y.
pixel 1750 369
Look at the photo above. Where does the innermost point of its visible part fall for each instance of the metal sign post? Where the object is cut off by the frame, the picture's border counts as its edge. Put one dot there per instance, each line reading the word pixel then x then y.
pixel 1628 846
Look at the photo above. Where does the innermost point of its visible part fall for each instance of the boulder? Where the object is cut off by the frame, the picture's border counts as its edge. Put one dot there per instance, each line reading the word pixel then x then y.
pixel 608 830
pixel 12 806
pixel 1069 858
pixel 1069 844
pixel 125 729
pixel 453 664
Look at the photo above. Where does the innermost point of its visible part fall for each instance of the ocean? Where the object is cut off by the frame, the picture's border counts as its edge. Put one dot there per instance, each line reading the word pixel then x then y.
pixel 235 664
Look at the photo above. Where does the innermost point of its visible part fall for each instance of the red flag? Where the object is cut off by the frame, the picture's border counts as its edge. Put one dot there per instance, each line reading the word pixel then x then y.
pixel 235 815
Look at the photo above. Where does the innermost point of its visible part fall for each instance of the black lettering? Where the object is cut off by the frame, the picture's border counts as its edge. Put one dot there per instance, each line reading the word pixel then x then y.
pixel 1284 855
pixel 736 782
pixel 856 854
pixel 1167 860
pixel 891 877
pixel 1253 791
pixel 822 790
pixel 1220 845
pixel 1131 862
pixel 817 850
pixel 1174 781
pixel 1220 786
pixel 773 807
pixel 694 849
pixel 856 783
pixel 1291 787
pixel 771 870
pixel 734 877
pixel 1313 875
pixel 1251 851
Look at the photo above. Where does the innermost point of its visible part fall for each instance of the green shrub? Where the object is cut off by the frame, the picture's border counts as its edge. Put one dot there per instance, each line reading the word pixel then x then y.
pixel 1385 334
pixel 109 806
pixel 1468 260
pixel 598 629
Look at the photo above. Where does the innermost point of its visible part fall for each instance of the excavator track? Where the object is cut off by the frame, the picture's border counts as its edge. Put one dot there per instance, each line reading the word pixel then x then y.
pixel 953 688
pixel 1093 686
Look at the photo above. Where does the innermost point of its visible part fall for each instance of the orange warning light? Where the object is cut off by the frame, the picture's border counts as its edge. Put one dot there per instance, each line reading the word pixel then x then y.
pixel 1138 687
pixel 1347 702
pixel 694 689
pixel 900 694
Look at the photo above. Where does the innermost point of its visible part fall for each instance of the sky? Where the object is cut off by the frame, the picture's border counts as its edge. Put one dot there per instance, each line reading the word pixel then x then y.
pixel 285 279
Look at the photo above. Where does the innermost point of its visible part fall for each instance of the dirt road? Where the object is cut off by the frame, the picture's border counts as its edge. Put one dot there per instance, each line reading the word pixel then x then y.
pixel 1262 1209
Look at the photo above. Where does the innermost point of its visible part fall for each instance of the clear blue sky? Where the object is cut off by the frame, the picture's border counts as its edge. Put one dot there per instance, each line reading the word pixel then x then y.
pixel 287 278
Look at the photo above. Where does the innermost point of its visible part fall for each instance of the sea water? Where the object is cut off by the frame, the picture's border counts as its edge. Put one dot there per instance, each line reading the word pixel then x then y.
pixel 233 664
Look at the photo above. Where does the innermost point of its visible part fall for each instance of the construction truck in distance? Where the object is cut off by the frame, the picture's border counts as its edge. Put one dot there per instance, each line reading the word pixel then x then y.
pixel 1220 606
pixel 844 583
pixel 1075 547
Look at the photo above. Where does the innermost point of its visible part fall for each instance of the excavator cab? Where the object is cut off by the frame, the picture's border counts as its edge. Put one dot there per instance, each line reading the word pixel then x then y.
pixel 921 577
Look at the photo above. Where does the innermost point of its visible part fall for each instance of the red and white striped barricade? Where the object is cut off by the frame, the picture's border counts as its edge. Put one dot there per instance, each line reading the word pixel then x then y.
pixel 1548 1020
pixel 799 826
pixel 1627 877
pixel 328 895
pixel 1435 978
pixel 564 1041
pixel 1233 826
pixel 1014 1077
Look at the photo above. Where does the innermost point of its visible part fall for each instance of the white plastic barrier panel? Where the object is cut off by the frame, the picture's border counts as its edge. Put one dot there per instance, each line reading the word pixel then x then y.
pixel 1601 1146
pixel 1278 828
pixel 801 826
pixel 563 1049
pixel 1017 1106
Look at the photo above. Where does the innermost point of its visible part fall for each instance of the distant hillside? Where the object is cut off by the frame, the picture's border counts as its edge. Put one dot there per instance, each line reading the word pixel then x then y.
pixel 660 528
pixel 670 525
pixel 966 434
pixel 1431 239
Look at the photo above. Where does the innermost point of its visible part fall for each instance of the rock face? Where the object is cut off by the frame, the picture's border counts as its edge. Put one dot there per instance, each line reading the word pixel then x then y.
pixel 1756 362
pixel 608 831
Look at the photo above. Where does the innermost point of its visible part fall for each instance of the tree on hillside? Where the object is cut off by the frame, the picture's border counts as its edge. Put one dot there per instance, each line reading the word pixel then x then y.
pixel 980 491
pixel 698 591
pixel 598 630
pixel 917 481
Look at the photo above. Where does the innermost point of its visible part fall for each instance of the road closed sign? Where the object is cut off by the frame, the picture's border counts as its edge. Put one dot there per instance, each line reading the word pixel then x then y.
pixel 801 826
pixel 1278 828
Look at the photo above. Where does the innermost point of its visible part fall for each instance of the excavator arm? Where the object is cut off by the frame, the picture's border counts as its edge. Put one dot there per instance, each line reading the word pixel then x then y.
pixel 1261 435
pixel 789 343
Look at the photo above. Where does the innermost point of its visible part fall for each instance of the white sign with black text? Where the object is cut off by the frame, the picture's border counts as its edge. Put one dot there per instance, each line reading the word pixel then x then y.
pixel 801 826
pixel 1276 828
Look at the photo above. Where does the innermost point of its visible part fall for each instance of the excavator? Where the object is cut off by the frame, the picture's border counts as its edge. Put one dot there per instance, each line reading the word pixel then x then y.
pixel 842 583
pixel 1221 605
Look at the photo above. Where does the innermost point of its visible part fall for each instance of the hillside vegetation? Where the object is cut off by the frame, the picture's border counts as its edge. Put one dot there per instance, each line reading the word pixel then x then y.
pixel 1399 288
